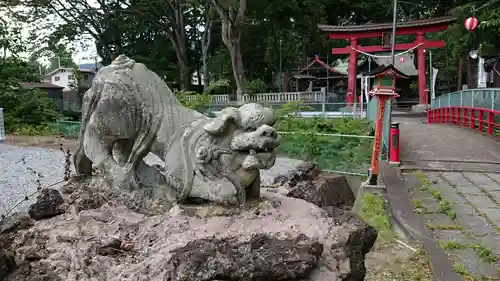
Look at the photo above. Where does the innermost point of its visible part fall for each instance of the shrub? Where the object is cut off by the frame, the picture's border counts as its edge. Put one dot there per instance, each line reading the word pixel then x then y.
pixel 257 86
pixel 330 152
pixel 198 102
pixel 220 87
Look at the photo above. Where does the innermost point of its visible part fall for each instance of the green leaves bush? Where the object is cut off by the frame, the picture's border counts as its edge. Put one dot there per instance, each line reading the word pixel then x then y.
pixel 340 153
pixel 26 111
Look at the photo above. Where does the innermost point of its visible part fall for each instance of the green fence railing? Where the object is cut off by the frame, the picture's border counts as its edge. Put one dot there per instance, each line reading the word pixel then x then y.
pixel 371 114
pixel 69 129
pixel 488 98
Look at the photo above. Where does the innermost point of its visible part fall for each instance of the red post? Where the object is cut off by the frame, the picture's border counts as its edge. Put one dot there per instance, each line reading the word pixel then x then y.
pixel 490 122
pixel 464 112
pixel 472 122
pixel 422 80
pixel 459 118
pixel 394 144
pixel 480 128
pixel 379 128
pixel 351 73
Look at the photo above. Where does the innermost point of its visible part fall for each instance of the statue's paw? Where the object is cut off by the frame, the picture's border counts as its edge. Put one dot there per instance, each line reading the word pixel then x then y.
pixel 242 198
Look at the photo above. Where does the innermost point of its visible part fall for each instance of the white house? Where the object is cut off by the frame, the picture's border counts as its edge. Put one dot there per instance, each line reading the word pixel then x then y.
pixel 65 77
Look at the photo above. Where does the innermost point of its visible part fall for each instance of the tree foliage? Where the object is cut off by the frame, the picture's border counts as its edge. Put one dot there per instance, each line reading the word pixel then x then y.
pixel 243 40
pixel 24 109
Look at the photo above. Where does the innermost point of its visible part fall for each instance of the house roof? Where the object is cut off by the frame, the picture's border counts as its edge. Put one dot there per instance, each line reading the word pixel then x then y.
pixel 386 26
pixel 90 66
pixel 85 70
pixel 317 60
pixel 386 70
pixel 40 85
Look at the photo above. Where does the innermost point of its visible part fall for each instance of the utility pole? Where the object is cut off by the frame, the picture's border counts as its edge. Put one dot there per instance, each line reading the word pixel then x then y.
pixel 394 16
pixel 281 66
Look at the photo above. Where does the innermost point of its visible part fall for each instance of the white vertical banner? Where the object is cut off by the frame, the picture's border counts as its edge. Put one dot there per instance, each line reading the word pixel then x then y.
pixel 2 127
pixel 433 86
pixel 481 74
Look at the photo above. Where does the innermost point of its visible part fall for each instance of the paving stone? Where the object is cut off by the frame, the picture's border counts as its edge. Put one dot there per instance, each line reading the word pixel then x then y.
pixel 480 201
pixel 482 181
pixel 495 195
pixel 452 235
pixel 493 214
pixel 469 218
pixel 494 176
pixel 473 264
pixel 461 183
pixel 437 219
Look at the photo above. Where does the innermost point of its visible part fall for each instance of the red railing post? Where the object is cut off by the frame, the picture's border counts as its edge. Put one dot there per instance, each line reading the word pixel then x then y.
pixel 481 120
pixel 490 122
pixel 465 117
pixel 457 116
pixel 442 114
pixel 394 144
pixel 472 120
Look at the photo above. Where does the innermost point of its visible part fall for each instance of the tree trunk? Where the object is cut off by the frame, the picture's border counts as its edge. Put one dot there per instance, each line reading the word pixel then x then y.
pixel 231 37
pixel 460 75
pixel 184 81
pixel 232 21
pixel 205 46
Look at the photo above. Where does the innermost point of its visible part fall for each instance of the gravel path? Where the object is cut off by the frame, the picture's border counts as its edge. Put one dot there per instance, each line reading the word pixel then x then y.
pixel 18 169
pixel 18 179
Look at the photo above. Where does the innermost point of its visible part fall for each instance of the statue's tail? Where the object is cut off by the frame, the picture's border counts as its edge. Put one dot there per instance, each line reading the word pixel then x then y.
pixel 83 165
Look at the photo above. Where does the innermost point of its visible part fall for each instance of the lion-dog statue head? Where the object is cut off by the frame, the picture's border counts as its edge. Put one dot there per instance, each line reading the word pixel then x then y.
pixel 231 149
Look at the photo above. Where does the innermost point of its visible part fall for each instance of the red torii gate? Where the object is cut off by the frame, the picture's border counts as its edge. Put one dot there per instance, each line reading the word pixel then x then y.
pixel 355 32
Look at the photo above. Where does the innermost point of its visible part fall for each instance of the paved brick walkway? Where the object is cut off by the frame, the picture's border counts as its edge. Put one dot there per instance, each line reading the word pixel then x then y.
pixel 455 174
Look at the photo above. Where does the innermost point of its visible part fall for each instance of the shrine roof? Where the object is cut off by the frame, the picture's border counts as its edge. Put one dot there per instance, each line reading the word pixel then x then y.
pixel 386 26
pixel 386 70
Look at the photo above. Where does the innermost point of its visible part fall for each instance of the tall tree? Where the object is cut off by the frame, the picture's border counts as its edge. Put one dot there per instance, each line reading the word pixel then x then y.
pixel 232 17
pixel 169 17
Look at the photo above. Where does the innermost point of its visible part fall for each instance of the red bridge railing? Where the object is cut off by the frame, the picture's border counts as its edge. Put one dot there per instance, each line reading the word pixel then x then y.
pixel 481 119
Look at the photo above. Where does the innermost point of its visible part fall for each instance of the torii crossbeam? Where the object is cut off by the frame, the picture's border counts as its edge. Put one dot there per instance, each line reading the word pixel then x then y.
pixel 417 27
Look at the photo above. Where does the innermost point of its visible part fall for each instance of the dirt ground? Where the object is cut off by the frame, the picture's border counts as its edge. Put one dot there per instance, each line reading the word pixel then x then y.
pixel 387 262
pixel 51 142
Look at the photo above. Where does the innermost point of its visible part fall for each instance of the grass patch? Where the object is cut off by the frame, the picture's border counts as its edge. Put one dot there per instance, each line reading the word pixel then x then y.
pixel 452 245
pixel 445 208
pixel 460 269
pixel 425 183
pixel 375 214
pixel 338 153
pixel 444 226
pixel 484 253
pixel 415 268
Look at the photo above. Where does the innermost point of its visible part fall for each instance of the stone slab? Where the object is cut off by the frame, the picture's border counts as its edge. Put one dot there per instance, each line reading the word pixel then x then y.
pixel 493 214
pixel 480 201
pixel 482 181
pixel 461 183
pixel 495 195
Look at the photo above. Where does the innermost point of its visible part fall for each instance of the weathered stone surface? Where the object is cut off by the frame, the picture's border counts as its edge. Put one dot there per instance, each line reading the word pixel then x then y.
pixel 309 183
pixel 48 204
pixel 333 194
pixel 7 264
pixel 273 238
pixel 130 111
pixel 15 222
pixel 253 257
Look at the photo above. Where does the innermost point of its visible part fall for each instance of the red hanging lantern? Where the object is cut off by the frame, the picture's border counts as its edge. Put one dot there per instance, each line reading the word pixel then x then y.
pixel 401 59
pixel 471 23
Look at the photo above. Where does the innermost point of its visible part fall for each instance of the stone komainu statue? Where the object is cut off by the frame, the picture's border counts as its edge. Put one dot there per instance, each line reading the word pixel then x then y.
pixel 129 112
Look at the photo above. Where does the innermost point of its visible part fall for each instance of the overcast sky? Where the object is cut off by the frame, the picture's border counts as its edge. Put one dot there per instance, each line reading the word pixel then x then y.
pixel 80 56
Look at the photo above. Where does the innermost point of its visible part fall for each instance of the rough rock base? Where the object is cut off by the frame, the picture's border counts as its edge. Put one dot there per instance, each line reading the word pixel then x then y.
pixel 275 238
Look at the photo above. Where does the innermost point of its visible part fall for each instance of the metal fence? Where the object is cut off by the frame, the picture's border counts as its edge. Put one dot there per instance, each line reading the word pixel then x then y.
pixel 69 129
pixel 488 98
